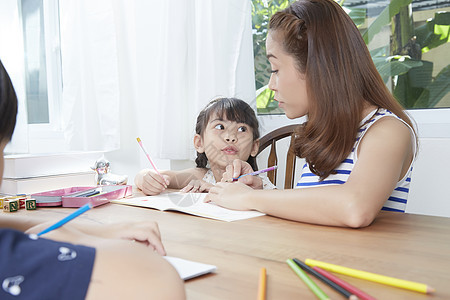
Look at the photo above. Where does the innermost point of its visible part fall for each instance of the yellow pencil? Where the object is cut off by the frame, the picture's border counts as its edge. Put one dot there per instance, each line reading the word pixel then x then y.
pixel 262 284
pixel 400 283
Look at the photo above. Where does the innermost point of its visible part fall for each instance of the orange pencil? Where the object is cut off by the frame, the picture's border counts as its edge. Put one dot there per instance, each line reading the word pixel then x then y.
pixel 262 284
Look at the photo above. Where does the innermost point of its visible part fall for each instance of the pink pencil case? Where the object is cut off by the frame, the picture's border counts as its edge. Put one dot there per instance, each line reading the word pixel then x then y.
pixel 79 196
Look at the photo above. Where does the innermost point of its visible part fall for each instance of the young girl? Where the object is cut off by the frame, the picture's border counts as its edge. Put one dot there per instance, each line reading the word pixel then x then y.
pixel 358 143
pixel 226 129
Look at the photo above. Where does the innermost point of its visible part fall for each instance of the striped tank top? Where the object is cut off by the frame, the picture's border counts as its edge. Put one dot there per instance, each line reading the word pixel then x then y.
pixel 397 200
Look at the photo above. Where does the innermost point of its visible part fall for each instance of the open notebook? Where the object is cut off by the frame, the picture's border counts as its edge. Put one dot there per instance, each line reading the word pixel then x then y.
pixel 188 269
pixel 190 203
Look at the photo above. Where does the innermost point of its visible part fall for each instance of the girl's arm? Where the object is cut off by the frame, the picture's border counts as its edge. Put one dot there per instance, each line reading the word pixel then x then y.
pixel 384 157
pixel 21 223
pixel 145 232
pixel 148 275
pixel 152 184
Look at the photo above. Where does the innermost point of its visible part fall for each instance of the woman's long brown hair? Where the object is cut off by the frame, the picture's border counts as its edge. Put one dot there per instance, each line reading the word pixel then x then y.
pixel 341 79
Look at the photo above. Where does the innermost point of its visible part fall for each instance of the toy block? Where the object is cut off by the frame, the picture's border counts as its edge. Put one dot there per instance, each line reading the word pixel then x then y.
pixel 21 202
pixel 10 205
pixel 30 204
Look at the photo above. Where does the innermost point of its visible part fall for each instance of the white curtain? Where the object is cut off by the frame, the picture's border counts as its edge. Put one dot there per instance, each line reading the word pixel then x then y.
pixel 188 53
pixel 90 106
pixel 11 55
pixel 147 67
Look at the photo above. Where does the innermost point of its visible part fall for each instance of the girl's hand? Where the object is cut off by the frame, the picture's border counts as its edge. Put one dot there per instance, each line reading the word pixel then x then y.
pixel 197 186
pixel 239 168
pixel 146 232
pixel 229 195
pixel 152 184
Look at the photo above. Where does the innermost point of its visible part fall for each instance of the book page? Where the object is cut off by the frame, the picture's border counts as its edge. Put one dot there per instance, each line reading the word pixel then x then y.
pixel 191 203
pixel 156 202
pixel 188 269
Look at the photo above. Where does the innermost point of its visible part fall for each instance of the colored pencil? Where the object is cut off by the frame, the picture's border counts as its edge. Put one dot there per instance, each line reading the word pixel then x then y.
pixel 70 217
pixel 262 284
pixel 327 281
pixel 151 161
pixel 257 172
pixel 360 294
pixel 311 284
pixel 400 283
pixel 88 193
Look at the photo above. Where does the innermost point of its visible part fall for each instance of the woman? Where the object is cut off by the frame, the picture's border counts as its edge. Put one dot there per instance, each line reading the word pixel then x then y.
pixel 358 143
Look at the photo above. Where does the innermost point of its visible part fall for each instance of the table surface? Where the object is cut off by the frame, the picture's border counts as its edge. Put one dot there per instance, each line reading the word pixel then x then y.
pixel 406 246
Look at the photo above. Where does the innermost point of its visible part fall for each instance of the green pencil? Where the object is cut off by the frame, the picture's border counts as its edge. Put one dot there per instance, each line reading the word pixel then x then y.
pixel 311 284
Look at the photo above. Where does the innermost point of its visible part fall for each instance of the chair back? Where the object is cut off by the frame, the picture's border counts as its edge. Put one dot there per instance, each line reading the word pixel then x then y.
pixel 271 139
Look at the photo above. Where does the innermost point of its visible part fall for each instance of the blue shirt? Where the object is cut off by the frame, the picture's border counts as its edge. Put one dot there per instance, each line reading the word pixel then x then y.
pixel 38 268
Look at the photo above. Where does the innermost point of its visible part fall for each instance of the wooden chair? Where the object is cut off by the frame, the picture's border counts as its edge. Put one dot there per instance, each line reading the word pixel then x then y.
pixel 270 139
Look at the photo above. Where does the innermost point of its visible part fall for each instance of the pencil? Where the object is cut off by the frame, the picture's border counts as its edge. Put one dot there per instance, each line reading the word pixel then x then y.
pixel 262 284
pixel 151 161
pixel 400 283
pixel 311 285
pixel 257 172
pixel 70 217
pixel 327 281
pixel 360 294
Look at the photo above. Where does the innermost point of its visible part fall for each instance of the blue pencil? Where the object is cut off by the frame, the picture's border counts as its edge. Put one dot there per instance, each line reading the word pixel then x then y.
pixel 70 217
pixel 257 172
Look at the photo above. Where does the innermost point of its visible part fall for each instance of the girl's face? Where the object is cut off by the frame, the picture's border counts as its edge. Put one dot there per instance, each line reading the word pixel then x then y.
pixel 224 141
pixel 286 81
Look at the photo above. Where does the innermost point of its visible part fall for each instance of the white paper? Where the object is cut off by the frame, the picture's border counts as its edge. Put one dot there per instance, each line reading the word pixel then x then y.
pixel 188 269
pixel 190 203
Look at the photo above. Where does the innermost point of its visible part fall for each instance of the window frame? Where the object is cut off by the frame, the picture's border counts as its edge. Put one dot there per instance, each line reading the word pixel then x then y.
pixel 41 135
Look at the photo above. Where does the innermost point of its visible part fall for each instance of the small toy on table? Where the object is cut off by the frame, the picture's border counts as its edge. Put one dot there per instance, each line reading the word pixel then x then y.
pixel 104 175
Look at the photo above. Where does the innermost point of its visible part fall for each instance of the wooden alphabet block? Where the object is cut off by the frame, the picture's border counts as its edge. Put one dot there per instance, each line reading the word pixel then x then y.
pixel 10 205
pixel 22 202
pixel 30 204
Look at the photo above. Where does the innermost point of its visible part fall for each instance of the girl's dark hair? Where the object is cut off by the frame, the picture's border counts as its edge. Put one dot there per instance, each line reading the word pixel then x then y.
pixel 8 106
pixel 232 109
pixel 340 78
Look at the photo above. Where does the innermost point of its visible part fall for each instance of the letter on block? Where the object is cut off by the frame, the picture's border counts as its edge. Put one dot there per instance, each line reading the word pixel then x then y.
pixel 14 205
pixel 10 205
pixel 30 204
pixel 21 203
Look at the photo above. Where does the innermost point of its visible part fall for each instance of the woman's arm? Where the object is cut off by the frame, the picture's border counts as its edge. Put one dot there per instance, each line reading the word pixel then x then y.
pixel 385 154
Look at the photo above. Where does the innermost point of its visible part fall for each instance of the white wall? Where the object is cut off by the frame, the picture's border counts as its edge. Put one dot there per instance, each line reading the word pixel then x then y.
pixel 430 184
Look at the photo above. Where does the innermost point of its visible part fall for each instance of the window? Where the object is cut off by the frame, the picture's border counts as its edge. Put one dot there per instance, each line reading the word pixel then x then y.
pixel 413 61
pixel 31 53
pixel 42 61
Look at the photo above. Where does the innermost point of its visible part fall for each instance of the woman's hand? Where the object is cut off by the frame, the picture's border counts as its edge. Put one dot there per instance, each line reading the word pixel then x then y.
pixel 197 186
pixel 230 195
pixel 151 182
pixel 239 168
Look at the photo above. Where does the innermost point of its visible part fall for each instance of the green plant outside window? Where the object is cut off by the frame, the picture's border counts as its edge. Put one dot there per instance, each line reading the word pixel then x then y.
pixel 409 46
